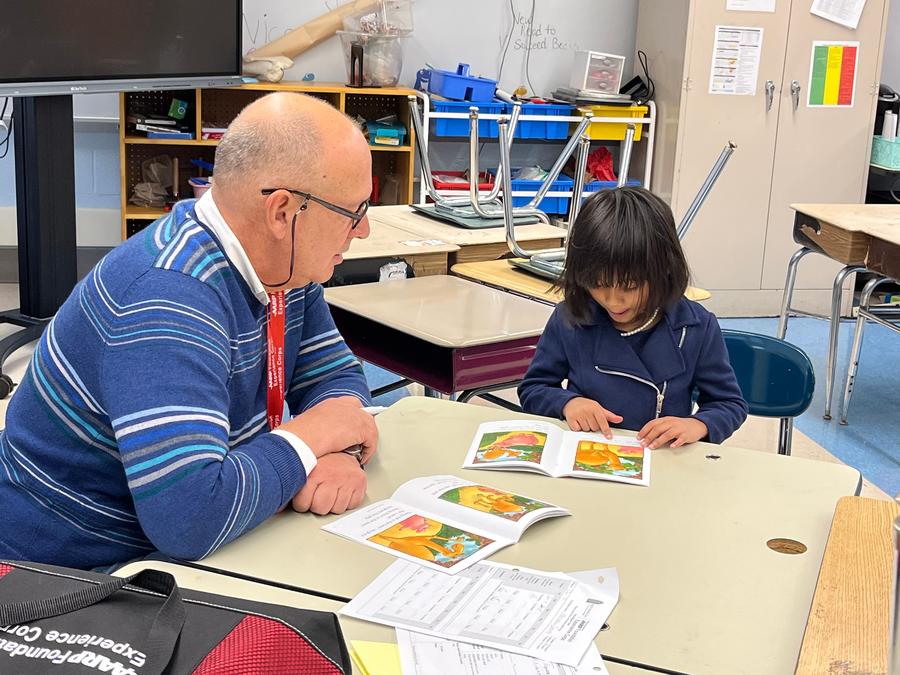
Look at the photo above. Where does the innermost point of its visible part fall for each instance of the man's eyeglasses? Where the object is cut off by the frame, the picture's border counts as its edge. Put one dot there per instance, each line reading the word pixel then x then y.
pixel 354 216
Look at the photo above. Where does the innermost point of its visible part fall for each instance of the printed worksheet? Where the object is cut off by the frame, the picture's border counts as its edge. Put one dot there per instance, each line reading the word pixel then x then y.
pixel 735 60
pixel 545 615
pixel 429 655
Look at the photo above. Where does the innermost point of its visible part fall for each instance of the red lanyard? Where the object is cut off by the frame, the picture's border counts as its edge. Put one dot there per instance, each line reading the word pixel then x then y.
pixel 275 379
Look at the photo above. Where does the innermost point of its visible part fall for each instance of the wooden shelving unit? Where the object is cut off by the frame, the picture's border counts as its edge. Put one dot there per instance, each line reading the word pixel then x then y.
pixel 220 106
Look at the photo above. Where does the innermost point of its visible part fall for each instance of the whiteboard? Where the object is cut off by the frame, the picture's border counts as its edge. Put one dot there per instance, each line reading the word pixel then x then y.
pixel 448 32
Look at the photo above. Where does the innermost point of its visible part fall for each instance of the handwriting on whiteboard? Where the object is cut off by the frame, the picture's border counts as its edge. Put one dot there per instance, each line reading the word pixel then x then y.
pixel 544 36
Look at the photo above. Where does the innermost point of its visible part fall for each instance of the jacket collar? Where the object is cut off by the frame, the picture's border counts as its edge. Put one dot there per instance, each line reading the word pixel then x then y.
pixel 663 359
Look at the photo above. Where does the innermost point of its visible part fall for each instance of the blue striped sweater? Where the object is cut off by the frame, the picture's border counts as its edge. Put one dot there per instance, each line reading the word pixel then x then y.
pixel 141 422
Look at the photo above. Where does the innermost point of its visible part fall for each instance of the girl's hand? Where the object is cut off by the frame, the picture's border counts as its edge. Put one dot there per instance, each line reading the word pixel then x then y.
pixel 673 430
pixel 584 414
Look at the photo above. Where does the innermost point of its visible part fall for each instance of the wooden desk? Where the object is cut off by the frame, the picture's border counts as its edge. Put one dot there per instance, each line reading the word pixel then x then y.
pixel 387 241
pixel 701 592
pixel 500 274
pixel 486 244
pixel 448 334
pixel 849 621
pixel 843 232
pixel 354 629
pixel 884 249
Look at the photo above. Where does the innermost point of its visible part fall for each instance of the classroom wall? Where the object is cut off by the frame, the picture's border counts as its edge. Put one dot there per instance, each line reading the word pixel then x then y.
pixel 473 31
pixel 890 70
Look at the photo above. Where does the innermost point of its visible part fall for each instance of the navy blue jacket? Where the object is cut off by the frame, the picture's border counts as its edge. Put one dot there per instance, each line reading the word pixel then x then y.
pixel 684 350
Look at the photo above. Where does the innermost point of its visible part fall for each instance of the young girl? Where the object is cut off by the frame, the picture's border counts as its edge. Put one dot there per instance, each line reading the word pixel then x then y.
pixel 632 348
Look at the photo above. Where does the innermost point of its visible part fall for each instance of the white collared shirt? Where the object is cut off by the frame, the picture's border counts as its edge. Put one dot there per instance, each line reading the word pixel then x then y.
pixel 208 214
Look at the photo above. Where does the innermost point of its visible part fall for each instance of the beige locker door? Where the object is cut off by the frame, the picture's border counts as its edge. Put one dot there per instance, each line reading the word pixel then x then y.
pixel 725 243
pixel 822 154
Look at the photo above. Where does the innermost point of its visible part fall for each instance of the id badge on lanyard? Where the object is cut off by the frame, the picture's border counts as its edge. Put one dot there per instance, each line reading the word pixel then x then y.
pixel 275 371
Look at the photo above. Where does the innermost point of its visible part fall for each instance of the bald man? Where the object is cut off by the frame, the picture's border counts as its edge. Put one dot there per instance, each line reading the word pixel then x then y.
pixel 150 418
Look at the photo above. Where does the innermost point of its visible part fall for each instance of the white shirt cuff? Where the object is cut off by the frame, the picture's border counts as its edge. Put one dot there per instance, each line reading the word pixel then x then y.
pixel 306 455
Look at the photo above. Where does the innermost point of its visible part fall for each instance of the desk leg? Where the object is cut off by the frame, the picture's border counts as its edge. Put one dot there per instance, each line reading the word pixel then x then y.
pixel 789 290
pixel 837 292
pixel 864 299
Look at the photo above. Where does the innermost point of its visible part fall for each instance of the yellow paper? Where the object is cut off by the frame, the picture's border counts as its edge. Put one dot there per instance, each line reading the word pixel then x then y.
pixel 833 74
pixel 375 658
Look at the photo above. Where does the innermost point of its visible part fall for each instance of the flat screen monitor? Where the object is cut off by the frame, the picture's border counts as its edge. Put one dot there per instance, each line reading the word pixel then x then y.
pixel 73 47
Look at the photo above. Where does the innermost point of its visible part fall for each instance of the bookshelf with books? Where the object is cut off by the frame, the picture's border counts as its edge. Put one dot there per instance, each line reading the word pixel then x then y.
pixel 147 131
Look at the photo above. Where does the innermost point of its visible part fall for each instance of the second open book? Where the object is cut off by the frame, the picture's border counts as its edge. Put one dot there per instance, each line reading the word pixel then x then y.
pixel 444 522
pixel 528 445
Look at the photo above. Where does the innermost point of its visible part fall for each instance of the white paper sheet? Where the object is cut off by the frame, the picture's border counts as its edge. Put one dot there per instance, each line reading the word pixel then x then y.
pixel 843 12
pixel 750 5
pixel 545 615
pixel 429 655
pixel 735 60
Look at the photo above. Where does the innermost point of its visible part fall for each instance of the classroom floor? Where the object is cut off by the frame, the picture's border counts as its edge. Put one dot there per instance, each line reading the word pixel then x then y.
pixel 869 443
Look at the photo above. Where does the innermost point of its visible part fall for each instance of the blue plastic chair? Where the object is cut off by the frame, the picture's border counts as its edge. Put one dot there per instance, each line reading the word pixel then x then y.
pixel 776 378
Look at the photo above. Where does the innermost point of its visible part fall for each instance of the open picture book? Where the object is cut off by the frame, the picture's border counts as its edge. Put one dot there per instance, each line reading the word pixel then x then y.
pixel 525 445
pixel 444 522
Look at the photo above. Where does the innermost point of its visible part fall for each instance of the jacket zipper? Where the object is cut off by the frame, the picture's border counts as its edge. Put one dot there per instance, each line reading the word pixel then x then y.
pixel 660 394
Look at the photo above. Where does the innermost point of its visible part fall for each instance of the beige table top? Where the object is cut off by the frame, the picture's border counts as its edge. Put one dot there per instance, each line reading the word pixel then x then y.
pixel 855 217
pixel 444 310
pixel 423 227
pixel 501 274
pixel 849 622
pixel 386 240
pixel 220 584
pixel 701 592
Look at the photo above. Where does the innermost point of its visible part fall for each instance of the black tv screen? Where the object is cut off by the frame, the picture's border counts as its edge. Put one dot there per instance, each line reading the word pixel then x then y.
pixel 69 46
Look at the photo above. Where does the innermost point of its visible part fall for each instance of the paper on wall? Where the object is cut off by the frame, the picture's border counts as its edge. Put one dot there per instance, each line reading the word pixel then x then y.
pixel 843 12
pixel 735 60
pixel 832 74
pixel 750 5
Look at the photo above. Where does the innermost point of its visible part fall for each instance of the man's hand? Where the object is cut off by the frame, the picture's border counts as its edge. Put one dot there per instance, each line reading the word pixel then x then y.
pixel 584 414
pixel 336 484
pixel 673 430
pixel 334 425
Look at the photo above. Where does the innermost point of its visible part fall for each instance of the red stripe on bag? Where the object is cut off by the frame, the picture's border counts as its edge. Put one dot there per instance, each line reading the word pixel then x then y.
pixel 5 569
pixel 258 646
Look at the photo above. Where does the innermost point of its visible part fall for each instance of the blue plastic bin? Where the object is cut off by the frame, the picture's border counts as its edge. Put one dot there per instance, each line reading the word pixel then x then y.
pixel 552 205
pixel 597 185
pixel 460 85
pixel 551 130
pixel 486 128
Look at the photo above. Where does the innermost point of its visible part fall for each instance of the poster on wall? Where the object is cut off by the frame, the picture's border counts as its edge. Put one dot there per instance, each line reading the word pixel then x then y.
pixel 832 74
pixel 750 5
pixel 735 60
pixel 843 12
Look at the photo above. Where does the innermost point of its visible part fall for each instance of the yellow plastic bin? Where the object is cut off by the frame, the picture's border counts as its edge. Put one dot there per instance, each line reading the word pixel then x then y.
pixel 612 131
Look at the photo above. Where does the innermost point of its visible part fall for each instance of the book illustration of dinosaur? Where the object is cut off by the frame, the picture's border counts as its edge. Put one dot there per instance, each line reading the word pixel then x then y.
pixel 507 505
pixel 430 540
pixel 520 445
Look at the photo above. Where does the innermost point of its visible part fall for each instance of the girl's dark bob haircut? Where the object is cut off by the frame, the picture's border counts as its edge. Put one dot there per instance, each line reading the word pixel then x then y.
pixel 623 237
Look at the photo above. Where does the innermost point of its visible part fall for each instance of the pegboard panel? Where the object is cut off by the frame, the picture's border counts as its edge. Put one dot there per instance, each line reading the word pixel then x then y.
pixel 158 102
pixel 134 225
pixel 373 106
pixel 138 154
pixel 218 107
